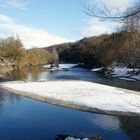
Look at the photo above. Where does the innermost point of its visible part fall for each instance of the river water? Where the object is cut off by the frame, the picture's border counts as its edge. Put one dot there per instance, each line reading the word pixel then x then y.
pixel 26 119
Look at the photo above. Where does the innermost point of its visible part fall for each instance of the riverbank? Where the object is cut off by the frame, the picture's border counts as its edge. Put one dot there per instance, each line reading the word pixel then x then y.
pixel 123 73
pixel 5 66
pixel 80 95
pixel 3 73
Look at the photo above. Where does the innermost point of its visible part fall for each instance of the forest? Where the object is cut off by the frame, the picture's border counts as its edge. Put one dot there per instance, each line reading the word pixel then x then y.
pixel 121 47
pixel 103 50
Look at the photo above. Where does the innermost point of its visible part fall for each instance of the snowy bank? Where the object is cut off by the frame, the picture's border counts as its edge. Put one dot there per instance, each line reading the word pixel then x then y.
pixel 123 73
pixel 81 95
pixel 126 72
pixel 62 66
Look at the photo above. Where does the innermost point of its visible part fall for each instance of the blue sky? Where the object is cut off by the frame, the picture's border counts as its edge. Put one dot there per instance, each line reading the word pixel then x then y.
pixel 46 22
pixel 60 17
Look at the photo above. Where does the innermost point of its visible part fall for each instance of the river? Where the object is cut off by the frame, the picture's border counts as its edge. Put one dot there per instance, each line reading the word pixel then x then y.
pixel 23 118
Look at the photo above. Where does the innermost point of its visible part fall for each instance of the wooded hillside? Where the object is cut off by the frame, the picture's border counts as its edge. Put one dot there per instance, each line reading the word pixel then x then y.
pixel 121 47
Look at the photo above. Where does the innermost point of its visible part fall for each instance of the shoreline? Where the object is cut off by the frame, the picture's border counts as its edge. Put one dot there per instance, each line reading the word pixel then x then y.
pixel 72 102
pixel 122 73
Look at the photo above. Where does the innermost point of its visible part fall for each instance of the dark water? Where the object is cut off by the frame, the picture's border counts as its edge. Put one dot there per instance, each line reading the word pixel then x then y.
pixel 26 119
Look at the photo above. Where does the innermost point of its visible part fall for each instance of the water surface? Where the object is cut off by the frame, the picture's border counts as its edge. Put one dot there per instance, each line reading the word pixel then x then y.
pixel 26 119
pixel 36 73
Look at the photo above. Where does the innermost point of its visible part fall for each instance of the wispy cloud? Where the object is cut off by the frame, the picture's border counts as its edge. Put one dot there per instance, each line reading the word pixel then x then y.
pixel 95 27
pixel 29 36
pixel 18 4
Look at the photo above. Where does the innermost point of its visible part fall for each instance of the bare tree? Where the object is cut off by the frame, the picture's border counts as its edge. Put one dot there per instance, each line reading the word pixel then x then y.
pixel 112 14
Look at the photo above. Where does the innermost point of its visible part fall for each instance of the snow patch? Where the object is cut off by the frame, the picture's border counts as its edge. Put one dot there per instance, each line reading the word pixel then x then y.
pixel 97 69
pixel 127 79
pixel 62 66
pixel 126 73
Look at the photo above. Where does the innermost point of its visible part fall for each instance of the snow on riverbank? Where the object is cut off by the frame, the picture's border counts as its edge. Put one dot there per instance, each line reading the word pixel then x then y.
pixel 126 72
pixel 80 95
pixel 62 66
pixel 121 72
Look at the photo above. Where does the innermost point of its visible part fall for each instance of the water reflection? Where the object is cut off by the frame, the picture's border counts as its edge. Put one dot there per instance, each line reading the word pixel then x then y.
pixel 5 97
pixel 2 98
pixel 23 118
pixel 24 72
pixel 105 122
pixel 37 73
pixel 131 125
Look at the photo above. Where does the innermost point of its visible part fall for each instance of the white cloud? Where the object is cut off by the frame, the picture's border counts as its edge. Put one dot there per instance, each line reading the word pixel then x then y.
pixel 96 27
pixel 15 4
pixel 6 19
pixel 29 36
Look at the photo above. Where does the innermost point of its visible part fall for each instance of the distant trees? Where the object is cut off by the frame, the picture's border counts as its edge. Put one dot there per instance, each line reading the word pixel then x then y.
pixel 103 50
pixel 39 56
pixel 132 45
pixel 13 51
pixel 129 51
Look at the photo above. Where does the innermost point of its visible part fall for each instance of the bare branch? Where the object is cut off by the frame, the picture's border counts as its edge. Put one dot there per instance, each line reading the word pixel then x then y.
pixel 106 14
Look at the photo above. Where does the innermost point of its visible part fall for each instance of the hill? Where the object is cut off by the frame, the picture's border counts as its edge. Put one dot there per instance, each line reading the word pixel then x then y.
pixel 104 50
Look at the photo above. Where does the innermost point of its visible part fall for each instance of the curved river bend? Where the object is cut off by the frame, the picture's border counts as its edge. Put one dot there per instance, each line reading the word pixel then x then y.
pixel 23 118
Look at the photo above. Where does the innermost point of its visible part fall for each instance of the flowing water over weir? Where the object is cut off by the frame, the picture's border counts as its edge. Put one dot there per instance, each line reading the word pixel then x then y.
pixel 23 118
